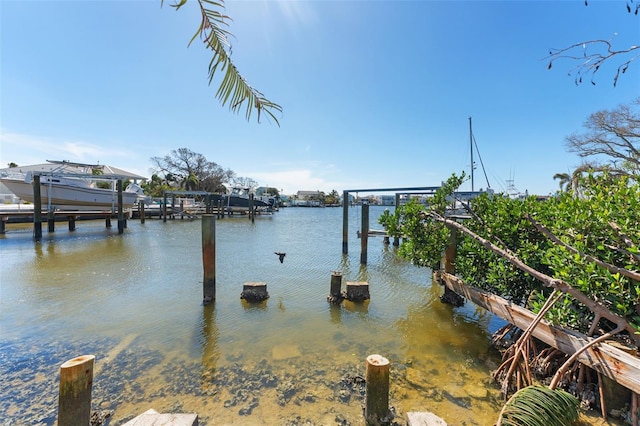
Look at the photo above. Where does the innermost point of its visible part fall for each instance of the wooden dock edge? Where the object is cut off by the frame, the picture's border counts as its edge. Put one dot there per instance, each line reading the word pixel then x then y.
pixel 612 362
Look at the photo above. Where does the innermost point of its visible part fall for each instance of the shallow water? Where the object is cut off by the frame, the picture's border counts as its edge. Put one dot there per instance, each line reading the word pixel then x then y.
pixel 134 301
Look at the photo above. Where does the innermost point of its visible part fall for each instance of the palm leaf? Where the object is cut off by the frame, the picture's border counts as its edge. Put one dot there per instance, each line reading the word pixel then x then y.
pixel 539 406
pixel 234 89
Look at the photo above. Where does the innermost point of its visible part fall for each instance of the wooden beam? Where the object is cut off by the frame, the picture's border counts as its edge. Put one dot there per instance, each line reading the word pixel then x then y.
pixel 606 359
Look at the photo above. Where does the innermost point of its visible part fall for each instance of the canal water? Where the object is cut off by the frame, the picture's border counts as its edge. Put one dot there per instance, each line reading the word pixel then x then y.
pixel 135 302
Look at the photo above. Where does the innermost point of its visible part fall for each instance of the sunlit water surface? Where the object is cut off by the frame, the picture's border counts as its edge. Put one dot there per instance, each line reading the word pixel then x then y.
pixel 134 301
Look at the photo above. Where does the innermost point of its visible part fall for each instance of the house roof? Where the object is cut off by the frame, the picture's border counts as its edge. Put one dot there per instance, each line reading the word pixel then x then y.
pixel 73 168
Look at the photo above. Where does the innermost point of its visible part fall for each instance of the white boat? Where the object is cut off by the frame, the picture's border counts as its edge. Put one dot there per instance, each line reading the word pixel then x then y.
pixel 72 185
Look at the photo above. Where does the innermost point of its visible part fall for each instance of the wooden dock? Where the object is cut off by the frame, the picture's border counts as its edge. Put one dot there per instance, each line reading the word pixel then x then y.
pixel 12 215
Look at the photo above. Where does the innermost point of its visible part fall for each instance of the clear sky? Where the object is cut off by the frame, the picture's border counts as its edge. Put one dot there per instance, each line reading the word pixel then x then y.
pixel 375 94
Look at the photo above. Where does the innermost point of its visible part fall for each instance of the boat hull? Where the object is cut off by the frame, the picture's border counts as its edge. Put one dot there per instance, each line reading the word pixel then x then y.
pixel 236 202
pixel 70 196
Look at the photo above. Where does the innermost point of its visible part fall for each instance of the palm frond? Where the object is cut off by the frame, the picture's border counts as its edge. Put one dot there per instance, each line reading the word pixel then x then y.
pixel 539 406
pixel 234 89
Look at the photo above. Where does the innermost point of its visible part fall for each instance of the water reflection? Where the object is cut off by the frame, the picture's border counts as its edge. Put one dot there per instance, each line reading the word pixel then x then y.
pixel 209 338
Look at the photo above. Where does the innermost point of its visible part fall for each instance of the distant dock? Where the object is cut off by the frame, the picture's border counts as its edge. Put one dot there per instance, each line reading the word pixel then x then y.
pixel 23 213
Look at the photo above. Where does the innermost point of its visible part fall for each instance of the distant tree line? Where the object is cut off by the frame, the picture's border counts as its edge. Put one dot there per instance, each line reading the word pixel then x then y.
pixel 183 169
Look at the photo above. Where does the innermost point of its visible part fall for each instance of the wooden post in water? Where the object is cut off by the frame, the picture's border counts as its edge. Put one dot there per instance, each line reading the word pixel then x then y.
pixel 449 266
pixel 164 206
pixel 364 234
pixel 51 220
pixel 72 223
pixel 74 402
pixel 376 412
pixel 345 222
pixel 121 225
pixel 252 213
pixel 142 213
pixel 37 209
pixel 209 258
pixel 449 261
pixel 207 204
pixel 335 293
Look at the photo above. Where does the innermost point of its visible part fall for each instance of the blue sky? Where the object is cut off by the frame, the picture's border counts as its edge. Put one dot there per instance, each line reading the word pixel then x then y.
pixel 375 94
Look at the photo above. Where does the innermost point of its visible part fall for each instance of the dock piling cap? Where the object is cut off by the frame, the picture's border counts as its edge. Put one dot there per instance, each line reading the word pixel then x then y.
pixel 376 359
pixel 78 360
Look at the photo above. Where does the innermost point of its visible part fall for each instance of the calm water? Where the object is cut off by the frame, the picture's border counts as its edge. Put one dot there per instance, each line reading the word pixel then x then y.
pixel 134 301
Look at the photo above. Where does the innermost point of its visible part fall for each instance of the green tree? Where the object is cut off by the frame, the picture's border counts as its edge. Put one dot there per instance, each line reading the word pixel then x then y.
pixel 183 165
pixel 234 90
pixel 564 180
pixel 332 198
pixel 155 186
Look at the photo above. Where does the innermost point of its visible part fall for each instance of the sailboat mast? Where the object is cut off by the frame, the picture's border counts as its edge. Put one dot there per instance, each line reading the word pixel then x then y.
pixel 471 148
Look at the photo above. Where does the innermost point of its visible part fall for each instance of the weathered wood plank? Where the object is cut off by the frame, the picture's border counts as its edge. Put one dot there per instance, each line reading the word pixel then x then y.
pixel 415 418
pixel 614 363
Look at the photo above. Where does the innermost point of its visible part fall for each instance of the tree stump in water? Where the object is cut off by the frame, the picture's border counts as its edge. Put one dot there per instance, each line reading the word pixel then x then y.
pixel 357 291
pixel 254 292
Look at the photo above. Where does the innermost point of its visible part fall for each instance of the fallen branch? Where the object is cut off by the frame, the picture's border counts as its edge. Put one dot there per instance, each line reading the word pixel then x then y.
pixel 626 239
pixel 633 275
pixel 563 286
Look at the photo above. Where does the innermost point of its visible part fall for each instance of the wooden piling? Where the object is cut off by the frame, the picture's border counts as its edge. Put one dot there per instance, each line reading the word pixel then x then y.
pixel 449 265
pixel 142 213
pixel 121 224
pixel 72 223
pixel 376 410
pixel 74 402
pixel 252 213
pixel 164 207
pixel 335 292
pixel 37 209
pixel 345 222
pixel 209 258
pixel 364 234
pixel 51 221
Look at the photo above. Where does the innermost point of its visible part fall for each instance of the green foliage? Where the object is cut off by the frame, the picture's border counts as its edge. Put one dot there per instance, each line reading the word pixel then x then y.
pixel 585 223
pixel 155 186
pixel 425 239
pixel 601 222
pixel 332 198
pixel 503 218
pixel 540 406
